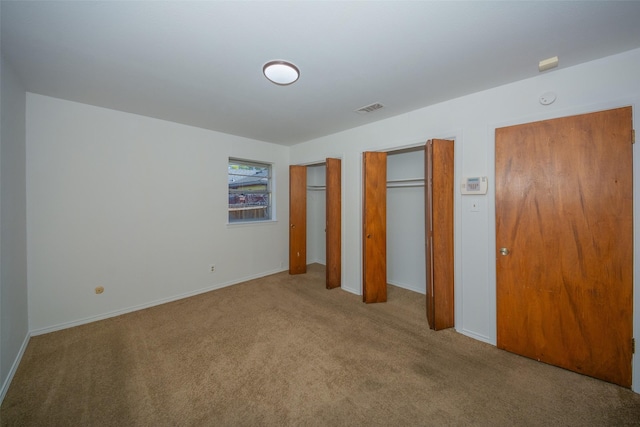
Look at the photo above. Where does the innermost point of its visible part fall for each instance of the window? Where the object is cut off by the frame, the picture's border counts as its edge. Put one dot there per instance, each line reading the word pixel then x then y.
pixel 249 191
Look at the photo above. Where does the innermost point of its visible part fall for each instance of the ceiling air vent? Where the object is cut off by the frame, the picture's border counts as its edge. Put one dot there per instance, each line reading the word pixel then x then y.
pixel 369 108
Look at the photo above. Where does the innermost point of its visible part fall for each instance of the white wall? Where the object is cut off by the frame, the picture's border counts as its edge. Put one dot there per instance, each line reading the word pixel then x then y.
pixel 14 327
pixel 607 83
pixel 138 206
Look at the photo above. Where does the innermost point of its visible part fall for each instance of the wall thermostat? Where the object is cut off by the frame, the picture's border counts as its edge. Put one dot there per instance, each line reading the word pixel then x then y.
pixel 474 185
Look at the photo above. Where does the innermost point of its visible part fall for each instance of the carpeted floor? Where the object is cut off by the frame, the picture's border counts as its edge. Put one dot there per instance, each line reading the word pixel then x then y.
pixel 282 351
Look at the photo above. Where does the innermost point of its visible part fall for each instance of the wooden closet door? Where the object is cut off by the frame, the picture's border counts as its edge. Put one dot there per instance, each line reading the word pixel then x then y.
pixel 374 255
pixel 439 188
pixel 564 233
pixel 297 219
pixel 333 225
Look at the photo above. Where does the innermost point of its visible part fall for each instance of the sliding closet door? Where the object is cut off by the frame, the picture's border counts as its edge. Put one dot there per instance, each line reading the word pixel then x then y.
pixel 334 227
pixel 374 255
pixel 297 219
pixel 439 233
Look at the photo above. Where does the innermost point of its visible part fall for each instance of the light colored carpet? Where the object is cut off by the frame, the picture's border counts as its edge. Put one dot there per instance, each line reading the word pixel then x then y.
pixel 282 351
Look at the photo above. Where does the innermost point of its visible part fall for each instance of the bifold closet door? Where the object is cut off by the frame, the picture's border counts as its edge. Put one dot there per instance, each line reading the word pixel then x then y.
pixel 297 219
pixel 439 191
pixel 333 223
pixel 374 254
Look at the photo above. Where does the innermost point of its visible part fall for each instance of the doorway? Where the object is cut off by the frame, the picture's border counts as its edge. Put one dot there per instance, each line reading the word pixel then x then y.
pixel 433 212
pixel 320 186
pixel 565 236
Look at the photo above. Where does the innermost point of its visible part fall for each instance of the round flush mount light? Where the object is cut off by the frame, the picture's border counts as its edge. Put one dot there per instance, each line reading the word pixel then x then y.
pixel 281 72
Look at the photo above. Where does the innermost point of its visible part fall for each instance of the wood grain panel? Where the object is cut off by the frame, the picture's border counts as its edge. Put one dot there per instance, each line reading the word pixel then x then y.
pixel 374 263
pixel 564 211
pixel 297 219
pixel 334 221
pixel 439 187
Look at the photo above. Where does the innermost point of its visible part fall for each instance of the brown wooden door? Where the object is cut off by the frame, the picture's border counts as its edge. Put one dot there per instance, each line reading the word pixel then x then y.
pixel 374 259
pixel 564 218
pixel 297 219
pixel 439 182
pixel 333 225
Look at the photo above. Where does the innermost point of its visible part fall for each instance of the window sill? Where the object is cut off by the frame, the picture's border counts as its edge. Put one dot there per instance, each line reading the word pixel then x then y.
pixel 251 223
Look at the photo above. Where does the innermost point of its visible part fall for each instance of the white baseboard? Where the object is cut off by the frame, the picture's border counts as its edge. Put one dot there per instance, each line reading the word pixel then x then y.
pixel 476 336
pixel 131 309
pixel 14 368
pixel 350 290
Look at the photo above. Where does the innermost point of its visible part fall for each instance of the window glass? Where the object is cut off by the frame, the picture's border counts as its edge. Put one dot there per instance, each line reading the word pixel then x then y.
pixel 249 191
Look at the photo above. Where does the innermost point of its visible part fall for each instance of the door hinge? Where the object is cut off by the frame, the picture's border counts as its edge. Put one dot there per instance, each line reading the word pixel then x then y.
pixel 633 136
pixel 633 346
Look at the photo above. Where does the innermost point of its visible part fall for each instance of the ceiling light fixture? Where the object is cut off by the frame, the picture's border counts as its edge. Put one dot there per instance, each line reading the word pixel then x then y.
pixel 281 72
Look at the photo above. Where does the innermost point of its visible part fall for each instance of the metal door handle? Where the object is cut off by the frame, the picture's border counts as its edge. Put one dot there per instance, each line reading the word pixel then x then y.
pixel 504 251
pixel 293 226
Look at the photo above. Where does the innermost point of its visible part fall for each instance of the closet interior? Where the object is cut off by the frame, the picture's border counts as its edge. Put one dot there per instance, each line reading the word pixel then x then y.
pixel 408 226
pixel 316 213
pixel 406 219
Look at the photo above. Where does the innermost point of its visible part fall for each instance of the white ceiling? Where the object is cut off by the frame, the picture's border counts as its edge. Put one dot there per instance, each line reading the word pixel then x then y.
pixel 200 63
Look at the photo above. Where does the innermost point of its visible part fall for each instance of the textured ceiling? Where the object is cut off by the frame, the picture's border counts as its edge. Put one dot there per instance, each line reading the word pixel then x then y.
pixel 200 63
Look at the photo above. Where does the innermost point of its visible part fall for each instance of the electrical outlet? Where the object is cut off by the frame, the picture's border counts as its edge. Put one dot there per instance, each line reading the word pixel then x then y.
pixel 213 268
pixel 99 289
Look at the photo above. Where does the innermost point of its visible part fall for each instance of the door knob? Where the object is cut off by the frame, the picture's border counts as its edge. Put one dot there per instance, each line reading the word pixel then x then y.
pixel 368 236
pixel 293 226
pixel 504 251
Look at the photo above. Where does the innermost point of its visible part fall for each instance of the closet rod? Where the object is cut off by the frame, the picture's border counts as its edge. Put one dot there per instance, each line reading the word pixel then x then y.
pixel 405 185
pixel 394 181
pixel 405 182
pixel 316 187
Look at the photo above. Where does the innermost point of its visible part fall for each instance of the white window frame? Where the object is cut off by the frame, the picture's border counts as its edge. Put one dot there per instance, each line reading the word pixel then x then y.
pixel 249 204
